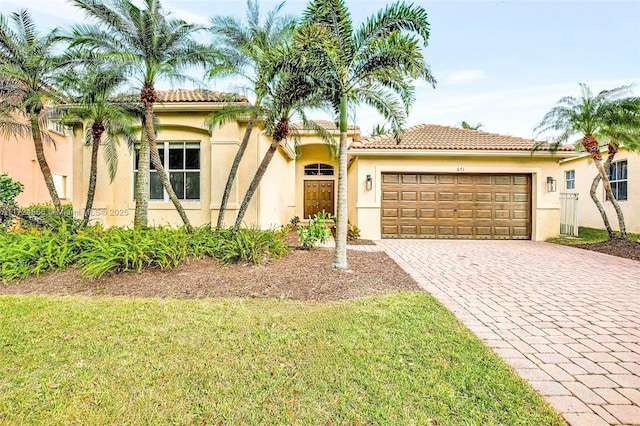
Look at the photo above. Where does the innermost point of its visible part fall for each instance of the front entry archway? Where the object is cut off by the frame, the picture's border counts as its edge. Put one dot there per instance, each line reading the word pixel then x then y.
pixel 318 196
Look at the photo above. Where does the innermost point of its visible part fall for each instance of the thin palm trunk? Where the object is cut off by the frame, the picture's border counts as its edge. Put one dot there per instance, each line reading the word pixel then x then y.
pixel 157 164
pixel 42 162
pixel 340 253
pixel 594 197
pixel 96 132
pixel 234 167
pixel 281 132
pixel 591 146
pixel 141 218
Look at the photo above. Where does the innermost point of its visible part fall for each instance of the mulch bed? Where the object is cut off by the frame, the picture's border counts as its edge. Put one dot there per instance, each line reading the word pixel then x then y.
pixel 301 275
pixel 615 247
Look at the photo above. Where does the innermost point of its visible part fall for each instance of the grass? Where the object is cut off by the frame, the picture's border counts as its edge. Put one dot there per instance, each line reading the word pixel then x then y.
pixel 588 235
pixel 398 358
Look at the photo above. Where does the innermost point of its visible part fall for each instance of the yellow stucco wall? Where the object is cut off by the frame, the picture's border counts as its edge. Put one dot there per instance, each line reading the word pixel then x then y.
pixel 114 203
pixel 545 205
pixel 18 160
pixel 588 214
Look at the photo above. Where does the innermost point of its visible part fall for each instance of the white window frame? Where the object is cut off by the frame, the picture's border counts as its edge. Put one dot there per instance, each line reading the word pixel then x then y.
pixel 164 146
pixel 616 183
pixel 570 180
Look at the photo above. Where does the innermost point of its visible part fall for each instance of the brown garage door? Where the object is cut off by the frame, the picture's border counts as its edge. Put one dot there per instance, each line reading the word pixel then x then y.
pixel 456 206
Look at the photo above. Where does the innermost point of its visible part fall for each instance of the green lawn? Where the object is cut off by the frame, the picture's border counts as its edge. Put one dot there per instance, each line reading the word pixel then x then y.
pixel 399 358
pixel 588 235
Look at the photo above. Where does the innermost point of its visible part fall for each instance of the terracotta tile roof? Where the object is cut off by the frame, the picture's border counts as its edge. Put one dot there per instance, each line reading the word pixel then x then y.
pixel 187 95
pixel 329 125
pixel 436 137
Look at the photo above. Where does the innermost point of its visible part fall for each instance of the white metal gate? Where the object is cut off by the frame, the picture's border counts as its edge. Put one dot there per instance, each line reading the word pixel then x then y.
pixel 569 214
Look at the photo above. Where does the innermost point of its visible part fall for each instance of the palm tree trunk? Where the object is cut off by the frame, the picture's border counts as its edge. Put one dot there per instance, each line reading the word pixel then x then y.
pixel 599 206
pixel 280 133
pixel 594 197
pixel 612 199
pixel 234 169
pixel 42 162
pixel 96 132
pixel 141 218
pixel 157 164
pixel 340 253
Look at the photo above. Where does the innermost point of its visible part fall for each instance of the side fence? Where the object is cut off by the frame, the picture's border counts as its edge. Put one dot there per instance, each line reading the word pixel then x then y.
pixel 569 214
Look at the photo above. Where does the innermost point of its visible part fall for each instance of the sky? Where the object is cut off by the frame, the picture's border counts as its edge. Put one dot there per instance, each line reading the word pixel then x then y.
pixel 500 63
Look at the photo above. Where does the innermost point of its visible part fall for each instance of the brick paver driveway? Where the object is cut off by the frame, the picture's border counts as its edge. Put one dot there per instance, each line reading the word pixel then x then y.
pixel 567 320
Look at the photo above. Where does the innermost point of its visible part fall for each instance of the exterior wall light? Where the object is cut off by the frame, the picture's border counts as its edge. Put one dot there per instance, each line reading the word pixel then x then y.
pixel 551 184
pixel 369 183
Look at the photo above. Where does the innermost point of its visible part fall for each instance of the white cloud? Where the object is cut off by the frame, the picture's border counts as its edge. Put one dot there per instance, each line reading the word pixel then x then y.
pixel 465 76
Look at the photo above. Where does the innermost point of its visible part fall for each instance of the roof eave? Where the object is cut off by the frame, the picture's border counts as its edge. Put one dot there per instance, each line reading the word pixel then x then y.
pixel 459 152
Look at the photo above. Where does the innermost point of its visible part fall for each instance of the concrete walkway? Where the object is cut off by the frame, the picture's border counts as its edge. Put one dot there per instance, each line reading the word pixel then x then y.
pixel 567 320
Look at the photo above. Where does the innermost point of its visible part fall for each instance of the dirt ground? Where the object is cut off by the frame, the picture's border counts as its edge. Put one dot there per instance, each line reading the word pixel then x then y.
pixel 615 247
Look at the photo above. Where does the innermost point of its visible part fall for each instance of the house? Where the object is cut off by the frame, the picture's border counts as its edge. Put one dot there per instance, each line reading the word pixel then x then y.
pixel 18 160
pixel 577 174
pixel 446 182
pixel 439 182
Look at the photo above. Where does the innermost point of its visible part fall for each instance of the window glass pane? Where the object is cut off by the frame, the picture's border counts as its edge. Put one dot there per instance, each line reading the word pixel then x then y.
pixel 136 159
pixel 161 152
pixel 623 170
pixel 193 158
pixel 622 191
pixel 155 190
pixel 193 185
pixel 177 183
pixel 176 158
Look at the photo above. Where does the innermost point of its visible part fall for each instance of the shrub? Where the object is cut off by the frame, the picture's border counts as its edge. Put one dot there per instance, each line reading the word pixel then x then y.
pixel 9 190
pixel 316 232
pixel 353 232
pixel 97 251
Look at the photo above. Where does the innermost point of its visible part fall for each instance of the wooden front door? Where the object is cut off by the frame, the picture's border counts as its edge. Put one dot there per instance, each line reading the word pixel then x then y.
pixel 318 196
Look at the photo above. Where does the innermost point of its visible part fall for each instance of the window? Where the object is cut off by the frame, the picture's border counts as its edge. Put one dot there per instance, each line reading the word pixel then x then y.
pixel 61 184
pixel 318 169
pixel 570 179
pixel 57 127
pixel 618 179
pixel 181 161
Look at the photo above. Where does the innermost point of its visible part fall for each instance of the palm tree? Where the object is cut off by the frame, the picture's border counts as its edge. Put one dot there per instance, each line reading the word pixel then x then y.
pixel 243 45
pixel 286 93
pixel 373 64
pixel 151 46
pixel 468 126
pixel 27 60
pixel 379 129
pixel 611 116
pixel 90 90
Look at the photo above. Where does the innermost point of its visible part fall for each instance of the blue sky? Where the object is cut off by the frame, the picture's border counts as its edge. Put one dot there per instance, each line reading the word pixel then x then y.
pixel 500 63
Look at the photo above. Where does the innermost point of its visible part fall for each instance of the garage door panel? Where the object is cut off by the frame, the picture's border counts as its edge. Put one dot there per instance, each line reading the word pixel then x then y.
pixel 456 206
pixel 390 195
pixel 427 196
pixel 409 213
pixel 387 178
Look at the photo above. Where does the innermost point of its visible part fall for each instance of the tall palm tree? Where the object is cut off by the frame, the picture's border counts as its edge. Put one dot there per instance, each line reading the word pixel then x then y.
pixel 28 60
pixel 90 90
pixel 150 45
pixel 243 44
pixel 374 64
pixel 612 116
